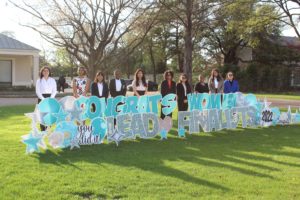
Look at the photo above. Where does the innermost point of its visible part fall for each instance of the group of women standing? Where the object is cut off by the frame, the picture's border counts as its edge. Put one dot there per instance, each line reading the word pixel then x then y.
pixel 46 85
pixel 215 85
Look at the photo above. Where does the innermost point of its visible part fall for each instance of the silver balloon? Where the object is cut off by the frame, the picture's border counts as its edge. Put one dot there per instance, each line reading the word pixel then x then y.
pixel 124 125
pixel 147 117
pixel 185 119
pixel 200 119
pixel 137 125
pixel 214 120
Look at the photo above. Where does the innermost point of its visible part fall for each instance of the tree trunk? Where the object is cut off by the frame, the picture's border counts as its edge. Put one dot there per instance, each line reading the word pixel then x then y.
pixel 188 39
pixel 92 67
pixel 152 60
pixel 178 51
pixel 230 58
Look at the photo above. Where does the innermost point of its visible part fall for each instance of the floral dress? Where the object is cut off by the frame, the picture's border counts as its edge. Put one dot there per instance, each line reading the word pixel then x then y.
pixel 80 85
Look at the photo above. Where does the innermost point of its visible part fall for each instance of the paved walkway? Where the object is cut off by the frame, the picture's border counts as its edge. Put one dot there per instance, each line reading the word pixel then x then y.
pixel 282 102
pixel 30 101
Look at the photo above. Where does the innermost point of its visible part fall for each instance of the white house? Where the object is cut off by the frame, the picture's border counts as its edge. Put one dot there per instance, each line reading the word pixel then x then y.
pixel 19 63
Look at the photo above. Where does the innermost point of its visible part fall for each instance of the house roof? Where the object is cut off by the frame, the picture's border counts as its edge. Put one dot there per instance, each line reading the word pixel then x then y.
pixel 292 42
pixel 13 44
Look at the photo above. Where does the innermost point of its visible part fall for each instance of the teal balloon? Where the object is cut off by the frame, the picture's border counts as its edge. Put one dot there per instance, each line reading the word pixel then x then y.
pixel 118 106
pixel 81 102
pixel 259 106
pixel 31 143
pixel 181 132
pixel 69 129
pixel 153 102
pixel 49 106
pixel 229 101
pixel 143 104
pixel 108 107
pixel 194 101
pixel 61 115
pixel 99 127
pixel 251 100
pixel 215 100
pixel 206 98
pixel 93 100
pixel 169 104
pixel 163 134
pixel 132 102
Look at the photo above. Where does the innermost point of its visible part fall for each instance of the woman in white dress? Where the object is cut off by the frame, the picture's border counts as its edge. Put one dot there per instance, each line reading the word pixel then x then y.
pixel 139 84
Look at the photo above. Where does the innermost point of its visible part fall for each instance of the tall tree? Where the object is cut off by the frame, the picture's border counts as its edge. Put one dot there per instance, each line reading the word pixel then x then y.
pixel 289 13
pixel 238 25
pixel 192 15
pixel 88 29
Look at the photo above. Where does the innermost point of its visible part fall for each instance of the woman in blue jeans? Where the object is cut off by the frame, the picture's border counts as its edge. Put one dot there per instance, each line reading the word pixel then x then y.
pixel 230 84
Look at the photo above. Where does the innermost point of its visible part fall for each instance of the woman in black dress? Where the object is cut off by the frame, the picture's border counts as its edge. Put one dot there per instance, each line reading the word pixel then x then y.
pixel 99 87
pixel 168 86
pixel 183 89
pixel 201 86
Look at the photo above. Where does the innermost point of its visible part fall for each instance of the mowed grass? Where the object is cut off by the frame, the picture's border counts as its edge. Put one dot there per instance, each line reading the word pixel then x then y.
pixel 262 163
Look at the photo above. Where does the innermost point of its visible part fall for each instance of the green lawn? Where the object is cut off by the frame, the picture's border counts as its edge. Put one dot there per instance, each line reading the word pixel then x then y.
pixel 240 164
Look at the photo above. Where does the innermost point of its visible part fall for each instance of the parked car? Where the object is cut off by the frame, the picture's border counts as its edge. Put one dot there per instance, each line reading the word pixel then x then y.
pixel 128 82
pixel 152 86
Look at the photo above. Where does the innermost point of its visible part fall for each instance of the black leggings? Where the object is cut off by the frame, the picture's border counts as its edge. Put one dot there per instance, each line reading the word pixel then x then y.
pixel 141 93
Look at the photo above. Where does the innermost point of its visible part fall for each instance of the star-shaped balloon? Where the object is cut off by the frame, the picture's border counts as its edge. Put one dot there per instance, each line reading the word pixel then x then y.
pixel 40 134
pixel 266 103
pixel 163 134
pixel 296 117
pixel 61 115
pixel 75 143
pixel 76 113
pixel 35 116
pixel 116 137
pixel 31 143
pixel 181 132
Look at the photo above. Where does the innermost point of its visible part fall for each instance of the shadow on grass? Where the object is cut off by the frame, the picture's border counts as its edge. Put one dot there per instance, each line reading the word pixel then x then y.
pixel 225 149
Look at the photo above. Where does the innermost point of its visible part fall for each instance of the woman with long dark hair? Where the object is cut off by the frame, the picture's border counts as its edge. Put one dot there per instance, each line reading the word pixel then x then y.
pixel 215 82
pixel 45 87
pixel 230 84
pixel 168 86
pixel 99 86
pixel 139 84
pixel 183 89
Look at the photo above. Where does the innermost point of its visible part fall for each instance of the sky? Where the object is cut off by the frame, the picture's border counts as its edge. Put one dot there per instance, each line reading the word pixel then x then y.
pixel 11 19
